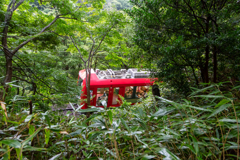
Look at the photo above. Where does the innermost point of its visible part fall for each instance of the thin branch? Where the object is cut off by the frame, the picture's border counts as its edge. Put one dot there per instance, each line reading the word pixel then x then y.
pixel 18 4
pixel 23 79
pixel 9 6
pixel 44 29
pixel 58 34
pixel 28 68
pixel 93 45
pixel 45 96
pixel 77 49
pixel 68 18
pixel 195 16
pixel 12 5
pixel 103 38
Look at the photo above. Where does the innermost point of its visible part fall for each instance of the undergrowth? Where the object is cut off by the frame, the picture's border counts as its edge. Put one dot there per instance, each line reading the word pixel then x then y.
pixel 205 125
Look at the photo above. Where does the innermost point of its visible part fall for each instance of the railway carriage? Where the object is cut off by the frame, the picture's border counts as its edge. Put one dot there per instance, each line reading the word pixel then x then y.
pixel 106 86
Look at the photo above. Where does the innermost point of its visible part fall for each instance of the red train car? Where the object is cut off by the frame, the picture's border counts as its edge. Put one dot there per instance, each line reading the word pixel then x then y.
pixel 106 86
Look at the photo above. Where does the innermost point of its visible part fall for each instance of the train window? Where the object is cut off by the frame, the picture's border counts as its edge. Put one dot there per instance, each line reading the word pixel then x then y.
pixel 129 92
pixel 115 95
pixel 91 93
pixel 133 93
pixel 102 96
pixel 80 82
pixel 141 91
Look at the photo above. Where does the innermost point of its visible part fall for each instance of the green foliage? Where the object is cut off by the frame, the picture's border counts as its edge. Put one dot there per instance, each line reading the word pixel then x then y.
pixel 117 4
pixel 195 127
pixel 188 42
pixel 164 38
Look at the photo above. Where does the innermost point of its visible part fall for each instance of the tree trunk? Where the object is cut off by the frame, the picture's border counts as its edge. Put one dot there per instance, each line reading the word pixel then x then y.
pixel 88 87
pixel 215 64
pixel 206 64
pixel 207 50
pixel 88 76
pixel 8 77
pixel 202 73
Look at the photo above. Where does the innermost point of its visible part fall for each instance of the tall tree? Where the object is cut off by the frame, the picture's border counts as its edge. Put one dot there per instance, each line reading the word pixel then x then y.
pixel 184 35
pixel 40 21
pixel 91 38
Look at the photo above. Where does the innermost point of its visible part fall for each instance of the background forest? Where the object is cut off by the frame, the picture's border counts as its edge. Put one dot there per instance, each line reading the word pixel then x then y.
pixel 192 47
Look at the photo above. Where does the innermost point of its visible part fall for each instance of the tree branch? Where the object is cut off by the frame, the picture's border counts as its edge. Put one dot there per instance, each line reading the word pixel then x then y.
pixel 44 29
pixel 18 4
pixel 77 49
pixel 29 70
pixel 195 16
pixel 103 38
pixel 68 18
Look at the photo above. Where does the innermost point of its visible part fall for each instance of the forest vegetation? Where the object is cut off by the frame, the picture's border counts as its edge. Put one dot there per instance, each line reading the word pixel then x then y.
pixel 191 46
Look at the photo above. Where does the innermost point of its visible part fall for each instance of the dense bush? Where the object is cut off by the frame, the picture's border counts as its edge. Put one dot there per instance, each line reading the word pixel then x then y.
pixel 203 126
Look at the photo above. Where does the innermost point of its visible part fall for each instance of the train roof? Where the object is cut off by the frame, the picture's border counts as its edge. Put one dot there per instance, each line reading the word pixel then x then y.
pixel 123 77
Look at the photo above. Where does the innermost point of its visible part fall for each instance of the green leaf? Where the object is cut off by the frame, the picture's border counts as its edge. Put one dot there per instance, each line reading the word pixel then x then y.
pixel 94 135
pixel 30 148
pixel 220 109
pixel 125 124
pixel 195 144
pixel 13 122
pixel 75 133
pixel 201 90
pixel 222 102
pixel 47 136
pixel 160 112
pixel 28 118
pixel 5 156
pixel 177 105
pixel 143 124
pixel 141 113
pixel 12 143
pixel 31 130
pixel 56 156
pixel 19 153
pixel 232 155
pixel 48 121
pixel 90 110
pixel 57 130
pixel 235 87
pixel 85 154
pixel 110 116
pixel 167 153
pixel 31 137
pixel 191 148
pixel 72 106
pixel 210 96
pixel 145 157
pixel 229 120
